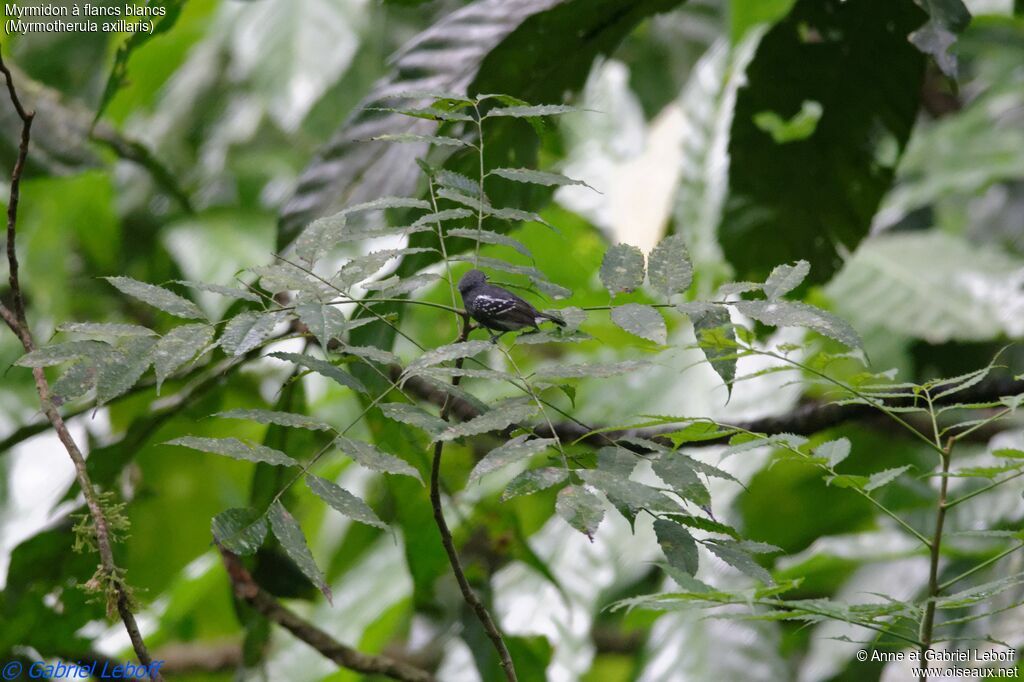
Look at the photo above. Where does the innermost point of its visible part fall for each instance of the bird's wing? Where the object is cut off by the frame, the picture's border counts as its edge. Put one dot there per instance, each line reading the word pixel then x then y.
pixel 494 306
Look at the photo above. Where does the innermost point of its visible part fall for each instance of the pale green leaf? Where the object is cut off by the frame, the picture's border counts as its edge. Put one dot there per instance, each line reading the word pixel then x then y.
pixel 375 459
pixel 229 292
pixel 60 353
pixel 784 278
pixel 500 416
pixel 581 509
pixel 235 449
pixel 515 450
pixel 158 297
pixel 533 481
pixel 883 478
pixel 290 419
pixel 677 473
pixel 669 268
pixel 581 371
pixel 177 347
pixel 436 140
pixel 794 314
pixel 641 320
pixel 834 451
pixel 343 501
pixel 530 111
pixel 118 371
pixel 453 351
pixel 678 545
pixel 622 269
pixel 104 329
pixel 293 541
pixel 536 177
pixel 324 368
pixel 731 553
pixel 325 322
pixel 240 530
pixel 247 330
pixel 414 416
pixel 487 237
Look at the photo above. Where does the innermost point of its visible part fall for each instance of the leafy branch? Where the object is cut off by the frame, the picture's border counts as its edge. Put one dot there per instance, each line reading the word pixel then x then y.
pixel 109 576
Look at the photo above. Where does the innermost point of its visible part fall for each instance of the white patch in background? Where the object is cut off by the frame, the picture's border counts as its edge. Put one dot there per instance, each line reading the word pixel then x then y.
pixel 39 474
pixel 634 165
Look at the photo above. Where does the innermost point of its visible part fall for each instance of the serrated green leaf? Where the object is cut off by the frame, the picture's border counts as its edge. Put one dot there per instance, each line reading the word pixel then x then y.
pixel 487 237
pixel 414 416
pixel 716 336
pixel 177 347
pixel 794 314
pixel 516 449
pixel 76 381
pixel 396 286
pixel 622 269
pixel 290 419
pixel 701 523
pixel 229 292
pixel 288 532
pixel 319 237
pixel 678 545
pixel 59 353
pixel 533 481
pixel 784 278
pixel 324 368
pixel 104 329
pixel 669 268
pixel 677 473
pixel 883 478
pixel 371 353
pixel 325 322
pixel 428 113
pixel 581 371
pixel 500 416
pixel 235 449
pixel 247 330
pixel 641 320
pixel 375 459
pixel 118 371
pixel 453 351
pixel 834 451
pixel 158 297
pixel 1012 453
pixel 436 140
pixel 629 497
pixel 534 177
pixel 343 501
pixel 240 530
pixel 447 178
pixel 442 216
pixel 731 553
pixel 581 509
pixel 530 111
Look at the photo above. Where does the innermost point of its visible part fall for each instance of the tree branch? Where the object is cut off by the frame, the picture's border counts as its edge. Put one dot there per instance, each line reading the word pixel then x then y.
pixel 807 418
pixel 112 578
pixel 470 597
pixel 247 589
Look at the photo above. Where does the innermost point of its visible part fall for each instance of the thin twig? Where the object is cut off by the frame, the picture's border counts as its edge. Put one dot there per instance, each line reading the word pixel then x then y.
pixel 468 594
pixel 247 589
pixel 111 574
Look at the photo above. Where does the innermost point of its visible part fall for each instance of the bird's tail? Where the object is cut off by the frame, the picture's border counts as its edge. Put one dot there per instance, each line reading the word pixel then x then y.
pixel 554 318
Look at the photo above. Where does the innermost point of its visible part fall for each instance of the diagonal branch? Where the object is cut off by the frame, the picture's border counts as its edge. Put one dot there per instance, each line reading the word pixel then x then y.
pixel 111 576
pixel 247 589
pixel 805 419
pixel 468 595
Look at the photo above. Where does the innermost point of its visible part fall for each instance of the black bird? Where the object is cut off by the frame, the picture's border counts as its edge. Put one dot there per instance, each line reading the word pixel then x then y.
pixel 498 309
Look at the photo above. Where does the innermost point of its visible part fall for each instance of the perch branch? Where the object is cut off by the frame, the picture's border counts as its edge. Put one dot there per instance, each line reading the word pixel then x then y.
pixel 15 319
pixel 470 597
pixel 247 589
